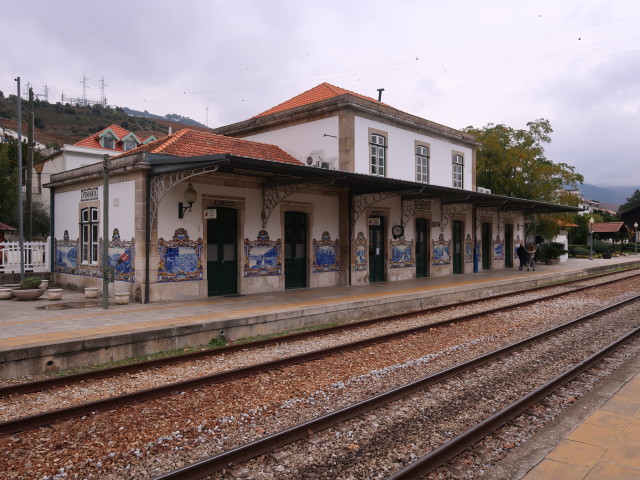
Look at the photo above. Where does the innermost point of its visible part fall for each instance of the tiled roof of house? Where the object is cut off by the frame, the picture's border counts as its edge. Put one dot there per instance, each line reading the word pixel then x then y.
pixel 188 143
pixel 316 94
pixel 608 227
pixel 4 226
pixel 93 141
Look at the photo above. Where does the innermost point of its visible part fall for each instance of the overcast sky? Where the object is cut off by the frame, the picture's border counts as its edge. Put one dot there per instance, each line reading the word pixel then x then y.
pixel 459 63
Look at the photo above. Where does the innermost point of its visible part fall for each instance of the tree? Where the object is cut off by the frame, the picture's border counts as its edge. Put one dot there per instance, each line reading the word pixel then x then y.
pixel 512 162
pixel 632 202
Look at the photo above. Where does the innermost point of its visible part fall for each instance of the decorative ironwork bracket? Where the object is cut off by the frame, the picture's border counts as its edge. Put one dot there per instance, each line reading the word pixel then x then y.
pixel 361 202
pixel 272 196
pixel 409 208
pixel 448 211
pixel 161 184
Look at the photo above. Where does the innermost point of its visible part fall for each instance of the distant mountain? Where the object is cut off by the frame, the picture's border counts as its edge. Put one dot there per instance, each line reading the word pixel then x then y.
pixel 610 195
pixel 172 117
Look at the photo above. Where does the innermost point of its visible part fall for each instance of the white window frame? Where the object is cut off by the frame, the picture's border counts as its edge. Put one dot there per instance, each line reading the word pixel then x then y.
pixel 89 233
pixel 378 155
pixel 422 163
pixel 457 163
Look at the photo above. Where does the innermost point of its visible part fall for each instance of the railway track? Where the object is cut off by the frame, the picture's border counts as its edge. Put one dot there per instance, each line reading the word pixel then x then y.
pixel 43 418
pixel 211 418
pixel 355 445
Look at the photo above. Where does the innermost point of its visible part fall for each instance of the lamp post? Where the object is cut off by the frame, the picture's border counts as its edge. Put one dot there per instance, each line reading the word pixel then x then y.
pixel 591 220
pixel 635 235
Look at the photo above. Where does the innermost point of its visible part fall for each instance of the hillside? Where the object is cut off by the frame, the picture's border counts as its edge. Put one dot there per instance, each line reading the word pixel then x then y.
pixel 57 124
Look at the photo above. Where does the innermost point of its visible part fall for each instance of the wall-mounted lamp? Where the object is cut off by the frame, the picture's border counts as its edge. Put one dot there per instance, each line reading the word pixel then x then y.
pixel 190 196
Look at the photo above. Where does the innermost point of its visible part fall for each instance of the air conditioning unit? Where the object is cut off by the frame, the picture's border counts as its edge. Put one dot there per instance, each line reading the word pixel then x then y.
pixel 315 160
pixel 483 190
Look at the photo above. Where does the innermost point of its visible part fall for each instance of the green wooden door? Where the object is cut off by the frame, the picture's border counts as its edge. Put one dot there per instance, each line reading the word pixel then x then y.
pixel 376 249
pixel 422 248
pixel 222 252
pixel 457 246
pixel 295 250
pixel 508 245
pixel 486 246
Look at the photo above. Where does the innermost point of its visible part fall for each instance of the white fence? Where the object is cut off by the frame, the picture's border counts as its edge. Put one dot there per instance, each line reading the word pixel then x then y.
pixel 36 256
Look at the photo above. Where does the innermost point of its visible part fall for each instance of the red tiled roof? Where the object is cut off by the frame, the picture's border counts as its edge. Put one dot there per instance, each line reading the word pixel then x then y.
pixel 93 141
pixel 608 227
pixel 316 94
pixel 4 226
pixel 188 143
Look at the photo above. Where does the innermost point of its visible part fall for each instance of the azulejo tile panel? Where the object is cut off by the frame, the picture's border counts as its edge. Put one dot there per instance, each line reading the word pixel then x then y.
pixel 498 248
pixel 180 258
pixel 66 254
pixel 441 251
pixel 120 257
pixel 468 249
pixel 401 253
pixel 325 254
pixel 262 256
pixel 360 253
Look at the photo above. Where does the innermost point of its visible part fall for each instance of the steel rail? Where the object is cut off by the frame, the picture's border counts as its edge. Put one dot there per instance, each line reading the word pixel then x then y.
pixel 213 464
pixel 47 384
pixel 46 418
pixel 439 456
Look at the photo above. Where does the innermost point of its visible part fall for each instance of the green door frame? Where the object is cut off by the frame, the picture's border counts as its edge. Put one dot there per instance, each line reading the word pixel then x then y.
pixel 508 245
pixel 222 252
pixel 376 250
pixel 486 246
pixel 457 246
pixel 422 247
pixel 295 249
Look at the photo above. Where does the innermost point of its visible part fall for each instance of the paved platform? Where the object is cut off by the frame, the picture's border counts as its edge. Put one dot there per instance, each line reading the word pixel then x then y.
pixel 33 339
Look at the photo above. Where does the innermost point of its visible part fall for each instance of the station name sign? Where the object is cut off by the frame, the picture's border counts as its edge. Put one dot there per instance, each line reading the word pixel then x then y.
pixel 89 194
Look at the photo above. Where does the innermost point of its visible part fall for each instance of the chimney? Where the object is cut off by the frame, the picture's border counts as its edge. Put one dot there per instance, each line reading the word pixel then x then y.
pixel 170 130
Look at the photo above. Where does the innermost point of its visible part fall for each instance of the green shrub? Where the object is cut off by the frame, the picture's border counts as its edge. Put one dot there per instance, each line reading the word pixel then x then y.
pixel 601 247
pixel 580 251
pixel 30 282
pixel 217 342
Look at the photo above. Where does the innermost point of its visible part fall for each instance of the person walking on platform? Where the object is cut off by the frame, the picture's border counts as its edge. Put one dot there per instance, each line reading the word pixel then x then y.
pixel 522 255
pixel 531 252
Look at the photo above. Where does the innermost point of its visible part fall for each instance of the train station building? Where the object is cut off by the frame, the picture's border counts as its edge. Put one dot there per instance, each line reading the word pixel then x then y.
pixel 330 188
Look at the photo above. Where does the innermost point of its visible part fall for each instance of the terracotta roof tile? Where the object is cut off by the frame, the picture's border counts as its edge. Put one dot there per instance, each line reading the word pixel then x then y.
pixel 188 143
pixel 4 226
pixel 608 227
pixel 316 94
pixel 93 141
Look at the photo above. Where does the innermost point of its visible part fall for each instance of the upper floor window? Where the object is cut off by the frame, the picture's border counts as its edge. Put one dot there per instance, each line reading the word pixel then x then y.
pixel 107 142
pixel 422 164
pixel 458 166
pixel 129 145
pixel 89 235
pixel 378 148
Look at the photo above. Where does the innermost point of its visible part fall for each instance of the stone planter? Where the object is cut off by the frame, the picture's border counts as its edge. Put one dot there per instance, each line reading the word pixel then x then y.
pixel 44 284
pixel 91 292
pixel 27 294
pixel 552 261
pixel 122 298
pixel 54 294
pixel 5 293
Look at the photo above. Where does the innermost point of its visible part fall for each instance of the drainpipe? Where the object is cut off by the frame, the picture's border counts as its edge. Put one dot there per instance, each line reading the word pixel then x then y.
pixel 52 249
pixel 475 239
pixel 351 232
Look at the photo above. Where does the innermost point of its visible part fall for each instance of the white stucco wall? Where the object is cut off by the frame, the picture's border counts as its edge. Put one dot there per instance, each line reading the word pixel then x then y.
pixel 121 210
pixel 401 154
pixel 307 139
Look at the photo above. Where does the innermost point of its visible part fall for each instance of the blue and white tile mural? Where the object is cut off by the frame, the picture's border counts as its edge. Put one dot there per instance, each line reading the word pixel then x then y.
pixel 325 254
pixel 441 251
pixel 66 256
pixel 498 248
pixel 401 253
pixel 180 258
pixel 121 258
pixel 468 249
pixel 360 253
pixel 262 256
